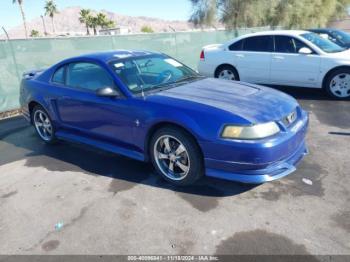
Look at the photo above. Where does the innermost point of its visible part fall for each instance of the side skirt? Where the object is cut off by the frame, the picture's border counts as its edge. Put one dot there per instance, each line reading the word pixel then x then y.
pixel 101 145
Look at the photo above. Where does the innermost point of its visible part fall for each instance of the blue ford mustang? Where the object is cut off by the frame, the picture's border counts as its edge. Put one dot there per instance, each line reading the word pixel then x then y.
pixel 150 107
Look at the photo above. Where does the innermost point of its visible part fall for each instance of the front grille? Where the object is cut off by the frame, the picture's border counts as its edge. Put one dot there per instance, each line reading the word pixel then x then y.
pixel 290 119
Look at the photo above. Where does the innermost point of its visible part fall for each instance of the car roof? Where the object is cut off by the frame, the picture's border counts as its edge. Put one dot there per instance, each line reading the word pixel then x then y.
pixel 277 32
pixel 268 33
pixel 323 29
pixel 106 56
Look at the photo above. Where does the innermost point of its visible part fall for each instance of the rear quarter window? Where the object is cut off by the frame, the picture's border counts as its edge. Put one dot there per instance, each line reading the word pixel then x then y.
pixel 59 76
pixel 258 44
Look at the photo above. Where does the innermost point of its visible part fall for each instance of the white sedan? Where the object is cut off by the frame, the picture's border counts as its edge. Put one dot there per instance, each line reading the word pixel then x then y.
pixel 288 57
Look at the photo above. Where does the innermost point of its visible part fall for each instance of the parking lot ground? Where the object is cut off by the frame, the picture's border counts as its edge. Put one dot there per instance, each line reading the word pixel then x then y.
pixel 106 204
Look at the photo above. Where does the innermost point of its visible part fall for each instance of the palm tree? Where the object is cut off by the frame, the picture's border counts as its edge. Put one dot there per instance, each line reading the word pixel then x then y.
pixel 44 25
pixel 110 24
pixel 93 23
pixel 20 4
pixel 104 22
pixel 84 19
pixel 51 10
pixel 101 19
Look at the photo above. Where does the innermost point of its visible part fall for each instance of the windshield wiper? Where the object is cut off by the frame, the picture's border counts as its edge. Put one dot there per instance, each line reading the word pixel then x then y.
pixel 162 85
pixel 188 78
pixel 167 84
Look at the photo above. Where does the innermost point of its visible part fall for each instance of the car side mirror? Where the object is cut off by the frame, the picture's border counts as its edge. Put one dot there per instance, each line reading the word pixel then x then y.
pixel 107 92
pixel 305 51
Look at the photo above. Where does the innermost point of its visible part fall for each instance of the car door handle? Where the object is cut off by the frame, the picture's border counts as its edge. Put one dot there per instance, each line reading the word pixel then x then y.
pixel 240 56
pixel 277 57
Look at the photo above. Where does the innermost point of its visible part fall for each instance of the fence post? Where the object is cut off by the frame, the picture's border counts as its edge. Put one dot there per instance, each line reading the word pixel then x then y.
pixel 175 38
pixel 13 54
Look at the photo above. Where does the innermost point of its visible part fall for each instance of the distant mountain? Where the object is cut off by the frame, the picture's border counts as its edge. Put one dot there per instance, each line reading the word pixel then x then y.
pixel 67 22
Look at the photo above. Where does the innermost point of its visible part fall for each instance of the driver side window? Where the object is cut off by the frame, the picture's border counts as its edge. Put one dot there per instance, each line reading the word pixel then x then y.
pixel 299 45
pixel 286 44
pixel 88 76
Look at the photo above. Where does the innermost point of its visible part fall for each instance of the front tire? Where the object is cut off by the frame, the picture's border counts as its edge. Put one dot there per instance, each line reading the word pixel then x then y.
pixel 337 84
pixel 43 125
pixel 176 156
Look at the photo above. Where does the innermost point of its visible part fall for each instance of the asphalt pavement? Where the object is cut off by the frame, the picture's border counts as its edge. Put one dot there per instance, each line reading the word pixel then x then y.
pixel 72 199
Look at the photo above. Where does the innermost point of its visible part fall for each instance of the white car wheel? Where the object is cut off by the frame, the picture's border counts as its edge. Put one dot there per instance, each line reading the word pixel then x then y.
pixel 339 85
pixel 227 74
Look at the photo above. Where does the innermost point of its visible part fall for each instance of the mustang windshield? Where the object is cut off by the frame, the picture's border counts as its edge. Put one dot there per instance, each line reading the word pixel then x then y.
pixel 151 72
pixel 324 44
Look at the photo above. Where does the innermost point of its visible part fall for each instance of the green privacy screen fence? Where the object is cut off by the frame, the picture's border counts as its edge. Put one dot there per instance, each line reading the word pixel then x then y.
pixel 17 56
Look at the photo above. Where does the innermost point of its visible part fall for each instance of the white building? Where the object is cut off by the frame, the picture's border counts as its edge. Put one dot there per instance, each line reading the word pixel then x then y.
pixel 114 31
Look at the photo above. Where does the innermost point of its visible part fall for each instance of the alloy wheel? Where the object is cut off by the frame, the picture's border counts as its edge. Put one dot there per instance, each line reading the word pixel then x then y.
pixel 43 125
pixel 340 85
pixel 227 75
pixel 171 157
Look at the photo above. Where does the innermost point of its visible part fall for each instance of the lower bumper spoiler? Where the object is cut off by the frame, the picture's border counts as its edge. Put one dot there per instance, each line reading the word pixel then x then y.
pixel 271 173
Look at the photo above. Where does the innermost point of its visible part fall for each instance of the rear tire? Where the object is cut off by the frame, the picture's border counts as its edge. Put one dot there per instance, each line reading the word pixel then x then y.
pixel 43 125
pixel 337 84
pixel 176 156
pixel 227 72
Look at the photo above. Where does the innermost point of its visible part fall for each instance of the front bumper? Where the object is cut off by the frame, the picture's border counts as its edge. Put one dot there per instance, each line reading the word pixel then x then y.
pixel 258 176
pixel 258 161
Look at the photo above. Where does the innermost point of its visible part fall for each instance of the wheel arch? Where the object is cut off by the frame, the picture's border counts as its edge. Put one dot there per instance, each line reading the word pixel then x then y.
pixel 32 104
pixel 153 129
pixel 38 102
pixel 225 65
pixel 331 71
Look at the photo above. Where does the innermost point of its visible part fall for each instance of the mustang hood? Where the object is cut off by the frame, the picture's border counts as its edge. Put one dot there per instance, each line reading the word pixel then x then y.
pixel 256 104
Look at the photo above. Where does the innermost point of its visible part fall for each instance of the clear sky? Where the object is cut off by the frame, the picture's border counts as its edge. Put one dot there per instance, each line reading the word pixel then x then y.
pixel 166 9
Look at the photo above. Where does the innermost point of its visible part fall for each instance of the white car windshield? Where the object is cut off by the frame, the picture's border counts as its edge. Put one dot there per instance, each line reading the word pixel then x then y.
pixel 341 36
pixel 322 43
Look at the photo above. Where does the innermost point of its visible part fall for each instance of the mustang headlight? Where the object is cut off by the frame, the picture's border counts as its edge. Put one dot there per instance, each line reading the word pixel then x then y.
pixel 251 132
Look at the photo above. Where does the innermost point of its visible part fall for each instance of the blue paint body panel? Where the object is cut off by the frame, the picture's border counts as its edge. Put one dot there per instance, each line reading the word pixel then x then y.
pixel 124 125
